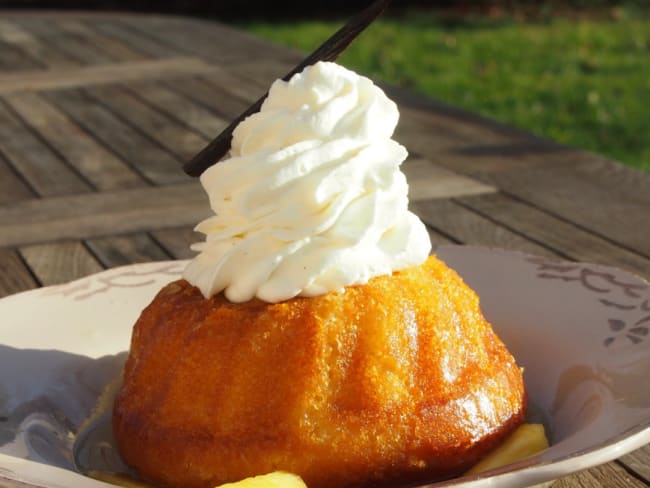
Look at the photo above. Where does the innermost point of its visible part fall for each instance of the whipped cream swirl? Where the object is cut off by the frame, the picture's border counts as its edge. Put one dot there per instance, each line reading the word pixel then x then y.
pixel 311 199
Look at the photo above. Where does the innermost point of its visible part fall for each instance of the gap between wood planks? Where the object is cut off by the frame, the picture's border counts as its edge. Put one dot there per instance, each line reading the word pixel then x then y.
pixel 107 73
pixel 150 208
pixel 100 214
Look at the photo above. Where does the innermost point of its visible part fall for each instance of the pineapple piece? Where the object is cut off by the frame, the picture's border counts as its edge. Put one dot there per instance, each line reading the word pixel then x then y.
pixel 527 440
pixel 277 479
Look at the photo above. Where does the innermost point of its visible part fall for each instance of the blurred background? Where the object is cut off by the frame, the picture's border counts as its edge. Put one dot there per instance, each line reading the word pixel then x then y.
pixel 574 71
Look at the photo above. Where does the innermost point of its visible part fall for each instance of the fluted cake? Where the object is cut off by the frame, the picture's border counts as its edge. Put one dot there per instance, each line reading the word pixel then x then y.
pixel 312 334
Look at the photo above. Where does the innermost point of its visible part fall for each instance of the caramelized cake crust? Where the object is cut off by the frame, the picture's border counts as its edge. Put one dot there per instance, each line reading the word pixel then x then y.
pixel 398 380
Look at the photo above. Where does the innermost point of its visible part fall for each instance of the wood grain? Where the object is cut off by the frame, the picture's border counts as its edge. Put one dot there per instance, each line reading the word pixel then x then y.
pixel 464 226
pixel 609 475
pixel 12 58
pixel 263 72
pixel 451 130
pixel 619 181
pixel 177 241
pixel 12 187
pixel 12 33
pixel 427 180
pixel 95 75
pixel 45 171
pixel 470 143
pixel 182 108
pixel 126 249
pixel 102 214
pixel 438 239
pixel 59 262
pixel 211 40
pixel 406 97
pixel 638 462
pixel 99 166
pixel 111 47
pixel 151 161
pixel 70 44
pixel 220 101
pixel 564 237
pixel 476 153
pixel 137 41
pixel 14 274
pixel 244 89
pixel 618 215
pixel 166 131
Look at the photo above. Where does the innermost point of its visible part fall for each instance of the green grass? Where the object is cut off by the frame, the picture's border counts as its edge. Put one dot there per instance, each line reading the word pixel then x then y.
pixel 584 83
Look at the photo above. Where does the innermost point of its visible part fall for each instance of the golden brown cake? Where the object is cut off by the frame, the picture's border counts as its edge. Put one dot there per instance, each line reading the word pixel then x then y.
pixel 395 381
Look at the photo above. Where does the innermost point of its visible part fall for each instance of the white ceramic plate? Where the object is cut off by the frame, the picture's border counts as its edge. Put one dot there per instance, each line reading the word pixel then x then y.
pixel 580 331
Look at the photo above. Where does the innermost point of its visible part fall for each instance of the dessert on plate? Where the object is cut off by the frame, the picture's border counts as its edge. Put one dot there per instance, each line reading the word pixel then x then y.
pixel 313 333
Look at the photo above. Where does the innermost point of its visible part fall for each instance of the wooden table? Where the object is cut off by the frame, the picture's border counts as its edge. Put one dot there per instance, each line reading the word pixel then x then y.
pixel 98 112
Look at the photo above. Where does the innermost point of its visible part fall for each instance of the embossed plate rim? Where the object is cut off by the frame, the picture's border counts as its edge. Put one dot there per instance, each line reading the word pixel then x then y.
pixel 540 468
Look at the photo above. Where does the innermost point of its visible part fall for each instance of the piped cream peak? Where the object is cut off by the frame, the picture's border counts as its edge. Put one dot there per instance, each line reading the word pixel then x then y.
pixel 312 198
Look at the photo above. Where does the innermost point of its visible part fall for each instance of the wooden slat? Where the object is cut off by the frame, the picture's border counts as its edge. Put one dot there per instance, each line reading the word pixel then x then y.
pixel 469 143
pixel 262 72
pixel 102 214
pixel 126 249
pixel 619 215
pixel 480 151
pixel 618 180
pixel 95 75
pixel 46 173
pixel 70 44
pixel 466 122
pixel 175 137
pixel 467 227
pixel 220 101
pixel 13 33
pixel 180 107
pixel 608 475
pixel 474 157
pixel 453 124
pixel 14 275
pixel 564 237
pixel 12 187
pixel 59 262
pixel 426 180
pixel 12 58
pixel 210 40
pixel 245 89
pixel 98 165
pixel 177 241
pixel 115 29
pixel 437 239
pixel 113 48
pixel 639 462
pixel 148 158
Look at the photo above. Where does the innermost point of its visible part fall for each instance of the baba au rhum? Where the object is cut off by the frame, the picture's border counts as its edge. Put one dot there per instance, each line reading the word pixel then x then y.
pixel 313 334
pixel 401 379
